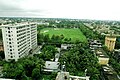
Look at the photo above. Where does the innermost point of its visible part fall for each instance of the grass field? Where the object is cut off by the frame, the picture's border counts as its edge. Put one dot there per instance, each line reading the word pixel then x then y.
pixel 74 34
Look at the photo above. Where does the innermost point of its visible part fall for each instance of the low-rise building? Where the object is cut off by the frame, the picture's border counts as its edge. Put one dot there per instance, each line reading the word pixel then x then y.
pixel 66 76
pixel 103 59
pixel 110 42
pixel 62 76
pixel 65 46
pixel 95 44
pixel 108 73
pixel 51 66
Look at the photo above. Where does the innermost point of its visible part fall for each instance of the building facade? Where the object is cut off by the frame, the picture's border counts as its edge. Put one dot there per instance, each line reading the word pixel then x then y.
pixel 110 42
pixel 103 58
pixel 19 40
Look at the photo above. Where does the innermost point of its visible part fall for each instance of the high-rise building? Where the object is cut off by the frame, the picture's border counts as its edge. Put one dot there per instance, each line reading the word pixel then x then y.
pixel 19 40
pixel 110 42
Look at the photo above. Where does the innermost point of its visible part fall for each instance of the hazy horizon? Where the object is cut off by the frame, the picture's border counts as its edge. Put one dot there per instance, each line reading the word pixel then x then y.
pixel 71 9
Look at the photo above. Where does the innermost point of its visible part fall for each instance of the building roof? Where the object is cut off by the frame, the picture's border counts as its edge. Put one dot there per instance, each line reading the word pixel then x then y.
pixel 51 65
pixel 101 53
pixel 17 24
pixel 110 36
pixel 109 73
pixel 117 50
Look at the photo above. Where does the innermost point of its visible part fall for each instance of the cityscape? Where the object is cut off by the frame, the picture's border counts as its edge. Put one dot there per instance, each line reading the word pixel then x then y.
pixel 55 47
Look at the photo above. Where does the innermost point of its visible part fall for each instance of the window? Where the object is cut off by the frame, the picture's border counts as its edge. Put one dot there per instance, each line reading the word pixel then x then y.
pixel 11 53
pixel 10 49
pixel 10 46
pixel 8 31
pixel 11 56
pixel 9 42
pixel 9 35
pixel 9 39
pixel 8 28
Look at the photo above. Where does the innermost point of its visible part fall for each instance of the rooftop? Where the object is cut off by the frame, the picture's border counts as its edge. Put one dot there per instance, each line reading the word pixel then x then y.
pixel 101 53
pixel 117 50
pixel 111 35
pixel 110 73
pixel 51 65
pixel 17 24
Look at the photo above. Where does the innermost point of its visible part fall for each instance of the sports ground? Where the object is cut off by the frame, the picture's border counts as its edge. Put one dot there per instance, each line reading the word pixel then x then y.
pixel 74 34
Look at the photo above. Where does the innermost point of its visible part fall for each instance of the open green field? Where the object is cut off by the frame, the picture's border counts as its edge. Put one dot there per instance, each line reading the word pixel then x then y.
pixel 74 34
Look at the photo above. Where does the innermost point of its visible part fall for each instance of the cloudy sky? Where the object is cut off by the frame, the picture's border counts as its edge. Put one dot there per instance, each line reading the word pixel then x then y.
pixel 79 9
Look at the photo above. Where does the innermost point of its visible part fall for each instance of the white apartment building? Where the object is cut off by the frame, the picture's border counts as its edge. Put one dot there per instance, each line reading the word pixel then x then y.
pixel 19 40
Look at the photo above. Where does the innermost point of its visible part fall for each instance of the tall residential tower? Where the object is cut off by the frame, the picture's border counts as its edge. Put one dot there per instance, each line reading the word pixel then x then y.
pixel 19 40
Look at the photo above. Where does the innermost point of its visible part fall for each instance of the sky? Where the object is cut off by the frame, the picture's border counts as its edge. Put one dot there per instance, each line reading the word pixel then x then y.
pixel 75 9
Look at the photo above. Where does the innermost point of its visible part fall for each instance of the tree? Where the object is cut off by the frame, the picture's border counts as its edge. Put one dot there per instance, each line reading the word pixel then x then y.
pixel 62 36
pixel 57 39
pixel 53 38
pixel 49 52
pixel 40 38
pixel 13 70
pixel 77 41
pixel 36 75
pixel 79 58
pixel 25 69
pixel 46 38
pixel 117 45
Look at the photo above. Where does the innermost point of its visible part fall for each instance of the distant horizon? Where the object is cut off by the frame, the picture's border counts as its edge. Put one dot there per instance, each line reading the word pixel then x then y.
pixel 53 18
